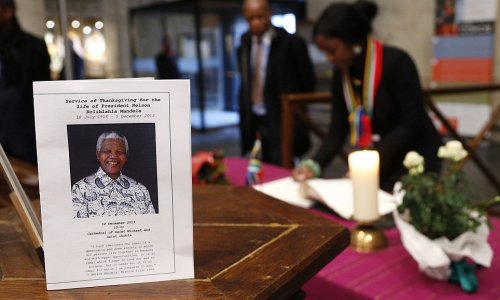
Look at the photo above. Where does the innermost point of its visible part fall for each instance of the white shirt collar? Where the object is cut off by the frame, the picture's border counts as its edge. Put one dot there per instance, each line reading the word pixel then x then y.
pixel 105 179
pixel 266 37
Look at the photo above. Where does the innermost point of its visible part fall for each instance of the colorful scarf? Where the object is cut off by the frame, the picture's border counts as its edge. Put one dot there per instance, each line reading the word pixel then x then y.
pixel 360 114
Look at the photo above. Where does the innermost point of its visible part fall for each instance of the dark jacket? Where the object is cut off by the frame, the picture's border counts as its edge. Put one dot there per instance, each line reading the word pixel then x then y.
pixel 166 66
pixel 24 59
pixel 399 117
pixel 289 70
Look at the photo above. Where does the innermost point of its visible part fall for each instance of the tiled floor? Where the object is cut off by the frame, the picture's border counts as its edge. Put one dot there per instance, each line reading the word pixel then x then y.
pixel 227 140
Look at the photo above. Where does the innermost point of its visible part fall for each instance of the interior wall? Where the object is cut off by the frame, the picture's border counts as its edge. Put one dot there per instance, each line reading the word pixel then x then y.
pixel 496 57
pixel 407 24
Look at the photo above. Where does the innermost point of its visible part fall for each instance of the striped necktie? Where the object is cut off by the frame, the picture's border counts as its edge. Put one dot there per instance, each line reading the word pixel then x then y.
pixel 257 84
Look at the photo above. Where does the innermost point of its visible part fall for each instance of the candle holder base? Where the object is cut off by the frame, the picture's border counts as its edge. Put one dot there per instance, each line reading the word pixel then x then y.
pixel 367 238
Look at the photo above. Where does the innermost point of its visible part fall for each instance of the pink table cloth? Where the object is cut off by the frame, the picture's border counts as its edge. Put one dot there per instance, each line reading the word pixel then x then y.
pixel 393 274
pixel 387 274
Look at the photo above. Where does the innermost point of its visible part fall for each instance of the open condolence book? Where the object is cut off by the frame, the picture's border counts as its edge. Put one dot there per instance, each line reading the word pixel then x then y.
pixel 335 193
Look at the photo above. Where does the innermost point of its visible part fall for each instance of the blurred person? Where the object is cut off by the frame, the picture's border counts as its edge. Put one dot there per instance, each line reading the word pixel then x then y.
pixel 271 62
pixel 23 59
pixel 376 96
pixel 166 62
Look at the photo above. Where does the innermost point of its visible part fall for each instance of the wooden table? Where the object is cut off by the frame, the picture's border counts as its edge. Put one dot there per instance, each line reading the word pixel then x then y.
pixel 246 246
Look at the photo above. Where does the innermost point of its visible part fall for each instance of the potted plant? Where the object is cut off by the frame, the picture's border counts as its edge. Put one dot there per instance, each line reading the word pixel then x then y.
pixel 440 227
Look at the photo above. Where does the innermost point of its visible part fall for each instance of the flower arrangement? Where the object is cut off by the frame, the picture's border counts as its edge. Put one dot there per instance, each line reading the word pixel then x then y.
pixel 439 205
pixel 439 225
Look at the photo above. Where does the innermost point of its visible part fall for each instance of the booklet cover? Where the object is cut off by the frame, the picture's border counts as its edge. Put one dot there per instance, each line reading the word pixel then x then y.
pixel 114 161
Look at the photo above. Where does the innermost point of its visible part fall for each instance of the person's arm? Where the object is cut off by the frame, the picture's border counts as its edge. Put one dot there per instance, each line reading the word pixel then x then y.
pixel 40 64
pixel 244 101
pixel 339 126
pixel 333 141
pixel 146 198
pixel 149 204
pixel 80 208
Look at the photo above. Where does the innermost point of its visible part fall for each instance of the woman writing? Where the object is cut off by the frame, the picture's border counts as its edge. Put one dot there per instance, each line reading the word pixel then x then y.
pixel 377 99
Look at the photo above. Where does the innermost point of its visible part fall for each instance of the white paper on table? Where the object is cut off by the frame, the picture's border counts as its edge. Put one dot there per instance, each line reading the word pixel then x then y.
pixel 285 189
pixel 334 193
pixel 337 194
pixel 110 250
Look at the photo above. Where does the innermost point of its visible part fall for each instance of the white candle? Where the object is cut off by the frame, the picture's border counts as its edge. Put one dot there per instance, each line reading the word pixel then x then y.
pixel 363 167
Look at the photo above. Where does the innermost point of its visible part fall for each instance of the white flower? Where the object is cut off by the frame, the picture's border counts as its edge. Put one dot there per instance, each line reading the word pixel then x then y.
pixel 453 150
pixel 414 162
pixel 417 170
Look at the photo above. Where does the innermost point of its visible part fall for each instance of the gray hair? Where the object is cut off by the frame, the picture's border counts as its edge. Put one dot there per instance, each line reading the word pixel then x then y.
pixel 111 135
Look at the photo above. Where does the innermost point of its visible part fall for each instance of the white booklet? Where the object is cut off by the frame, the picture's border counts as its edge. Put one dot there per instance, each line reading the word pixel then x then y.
pixel 114 163
pixel 335 193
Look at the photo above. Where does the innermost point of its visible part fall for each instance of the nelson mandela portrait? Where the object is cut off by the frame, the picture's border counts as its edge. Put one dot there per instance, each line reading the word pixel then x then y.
pixel 108 192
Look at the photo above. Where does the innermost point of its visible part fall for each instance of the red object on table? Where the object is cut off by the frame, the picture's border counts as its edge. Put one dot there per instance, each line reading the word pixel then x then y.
pixel 388 274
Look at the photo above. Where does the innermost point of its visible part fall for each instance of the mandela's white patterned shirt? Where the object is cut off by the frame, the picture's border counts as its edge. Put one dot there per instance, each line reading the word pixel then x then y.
pixel 101 195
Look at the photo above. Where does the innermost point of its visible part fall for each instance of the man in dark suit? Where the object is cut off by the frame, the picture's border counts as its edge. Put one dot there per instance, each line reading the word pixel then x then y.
pixel 166 62
pixel 23 59
pixel 272 62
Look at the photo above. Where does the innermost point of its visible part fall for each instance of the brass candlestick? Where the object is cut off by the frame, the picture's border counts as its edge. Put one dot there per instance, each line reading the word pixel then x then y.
pixel 364 172
pixel 367 237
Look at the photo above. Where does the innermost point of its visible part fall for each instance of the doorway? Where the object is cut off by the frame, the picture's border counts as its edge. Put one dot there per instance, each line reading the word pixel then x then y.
pixel 204 35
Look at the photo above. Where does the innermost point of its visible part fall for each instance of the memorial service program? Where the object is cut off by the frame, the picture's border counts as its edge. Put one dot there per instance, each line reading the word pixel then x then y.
pixel 114 162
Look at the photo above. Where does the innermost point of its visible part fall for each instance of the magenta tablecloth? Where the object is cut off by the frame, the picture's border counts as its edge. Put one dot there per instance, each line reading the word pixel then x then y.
pixel 393 274
pixel 387 274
